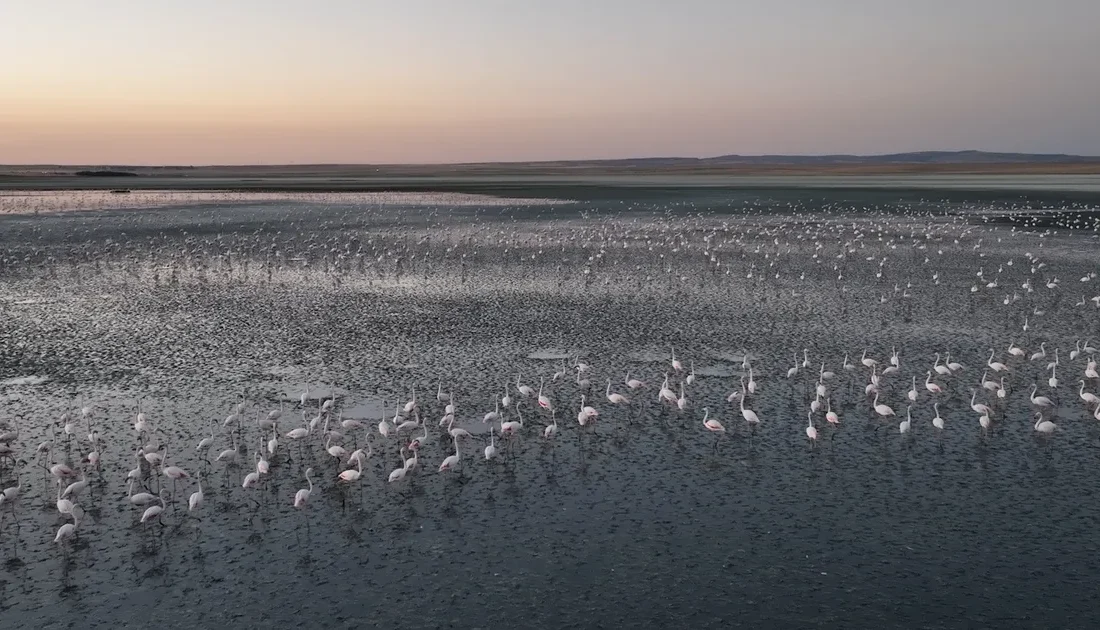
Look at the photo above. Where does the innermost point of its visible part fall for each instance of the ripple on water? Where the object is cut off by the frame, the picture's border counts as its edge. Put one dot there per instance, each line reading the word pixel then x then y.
pixel 550 354
pixel 25 380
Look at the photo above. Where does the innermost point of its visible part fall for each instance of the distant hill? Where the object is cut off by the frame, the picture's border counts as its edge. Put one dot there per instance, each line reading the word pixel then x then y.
pixel 105 173
pixel 916 157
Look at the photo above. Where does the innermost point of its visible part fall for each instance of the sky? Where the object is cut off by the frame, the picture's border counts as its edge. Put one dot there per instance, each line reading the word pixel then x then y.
pixel 428 81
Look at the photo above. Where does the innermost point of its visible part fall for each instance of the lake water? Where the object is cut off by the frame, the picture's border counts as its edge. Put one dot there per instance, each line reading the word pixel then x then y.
pixel 640 518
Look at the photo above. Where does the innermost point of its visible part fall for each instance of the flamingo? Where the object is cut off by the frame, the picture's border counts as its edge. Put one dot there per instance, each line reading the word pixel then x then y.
pixel 937 421
pixel 206 442
pixel 632 383
pixel 904 425
pixel 544 402
pixel 174 473
pixel 988 384
pixel 251 480
pixel 953 366
pixel 748 414
pixel 586 413
pixel 615 399
pixel 359 455
pixel 491 450
pixel 229 455
pixel 710 424
pixel 337 451
pixel 996 366
pixel 1040 401
pixel 525 390
pixel 1041 354
pixel 302 496
pixel 551 429
pixel 299 433
pixel 811 431
pixel 194 502
pixel 514 426
pixel 494 415
pixel 412 462
pixel 416 442
pixel 353 475
pixel 1046 427
pixel 273 443
pixel 830 415
pixel 979 407
pixel 68 530
pixel 794 370
pixel 1089 397
pixel 942 370
pixel 397 474
pixel 451 462
pixel 867 361
pixel 930 386
pixel 154 511
pixel 76 487
pixel 456 432
pixel 676 365
pixel 385 429
pixel 141 498
pixel 666 394
pixel 882 410
pixel 141 424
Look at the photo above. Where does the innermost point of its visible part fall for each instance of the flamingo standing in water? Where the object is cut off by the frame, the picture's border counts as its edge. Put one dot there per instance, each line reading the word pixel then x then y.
pixel 524 390
pixel 544 401
pixel 811 431
pixel 452 461
pixel 615 398
pixel 937 421
pixel 748 414
pixel 302 496
pixel 491 450
pixel 930 386
pixel 996 366
pixel 1039 401
pixel 713 426
pixel 1046 427
pixel 881 409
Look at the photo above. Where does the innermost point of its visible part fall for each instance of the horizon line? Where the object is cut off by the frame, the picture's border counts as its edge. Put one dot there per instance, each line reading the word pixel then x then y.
pixel 560 160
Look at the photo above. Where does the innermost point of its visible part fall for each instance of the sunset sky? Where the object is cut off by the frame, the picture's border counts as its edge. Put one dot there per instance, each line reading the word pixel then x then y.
pixel 295 81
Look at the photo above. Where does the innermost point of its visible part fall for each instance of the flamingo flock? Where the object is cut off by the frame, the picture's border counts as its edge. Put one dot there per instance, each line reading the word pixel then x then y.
pixel 843 327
